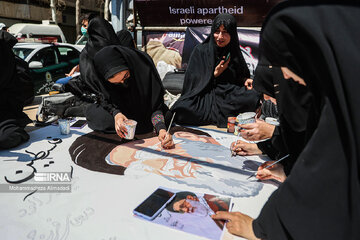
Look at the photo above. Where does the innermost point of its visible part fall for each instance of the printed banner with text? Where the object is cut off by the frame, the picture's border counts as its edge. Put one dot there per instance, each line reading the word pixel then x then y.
pixel 200 13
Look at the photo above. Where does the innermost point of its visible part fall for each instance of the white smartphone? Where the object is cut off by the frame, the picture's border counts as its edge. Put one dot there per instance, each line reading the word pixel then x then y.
pixel 154 204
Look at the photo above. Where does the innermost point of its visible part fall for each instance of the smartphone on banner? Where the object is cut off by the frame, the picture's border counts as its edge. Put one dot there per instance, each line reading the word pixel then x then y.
pixel 154 204
pixel 78 124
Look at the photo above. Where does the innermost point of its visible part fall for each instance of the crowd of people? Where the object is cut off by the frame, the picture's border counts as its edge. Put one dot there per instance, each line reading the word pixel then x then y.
pixel 305 78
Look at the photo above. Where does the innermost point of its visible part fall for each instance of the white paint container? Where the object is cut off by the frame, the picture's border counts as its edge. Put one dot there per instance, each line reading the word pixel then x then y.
pixel 130 127
pixel 244 118
pixel 272 121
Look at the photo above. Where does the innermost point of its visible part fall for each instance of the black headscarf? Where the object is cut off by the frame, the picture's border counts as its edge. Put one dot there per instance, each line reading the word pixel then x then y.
pixel 264 77
pixel 108 64
pixel 266 82
pixel 125 39
pixel 101 34
pixel 7 60
pixel 320 199
pixel 145 92
pixel 297 125
pixel 199 82
pixel 198 76
pixel 229 23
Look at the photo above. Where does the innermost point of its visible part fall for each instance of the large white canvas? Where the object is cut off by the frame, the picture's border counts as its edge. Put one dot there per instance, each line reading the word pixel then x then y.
pixel 100 205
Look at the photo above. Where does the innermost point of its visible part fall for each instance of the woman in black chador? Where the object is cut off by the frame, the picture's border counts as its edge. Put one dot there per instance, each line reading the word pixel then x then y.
pixel 122 83
pixel 16 88
pixel 128 87
pixel 214 81
pixel 125 38
pixel 321 197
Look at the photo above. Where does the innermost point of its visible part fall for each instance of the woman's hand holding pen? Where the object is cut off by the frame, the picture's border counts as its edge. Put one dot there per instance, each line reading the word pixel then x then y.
pixel 274 172
pixel 243 148
pixel 166 139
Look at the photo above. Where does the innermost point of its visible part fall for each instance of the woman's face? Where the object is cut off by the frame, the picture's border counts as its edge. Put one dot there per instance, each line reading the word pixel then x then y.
pixel 289 74
pixel 85 23
pixel 120 77
pixel 222 37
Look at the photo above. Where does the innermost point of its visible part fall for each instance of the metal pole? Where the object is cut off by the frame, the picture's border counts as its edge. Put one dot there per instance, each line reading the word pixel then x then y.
pixel 115 14
pixel 134 23
pixel 122 16
pixel 106 9
pixel 77 18
pixel 118 14
pixel 53 11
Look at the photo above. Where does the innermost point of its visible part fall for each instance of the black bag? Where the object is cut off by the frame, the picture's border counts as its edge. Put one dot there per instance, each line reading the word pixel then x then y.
pixel 53 107
pixel 173 81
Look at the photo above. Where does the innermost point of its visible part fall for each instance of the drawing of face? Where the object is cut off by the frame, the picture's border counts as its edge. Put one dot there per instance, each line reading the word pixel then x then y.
pixel 195 137
pixel 196 161
pixel 170 162
pixel 191 205
pixel 183 206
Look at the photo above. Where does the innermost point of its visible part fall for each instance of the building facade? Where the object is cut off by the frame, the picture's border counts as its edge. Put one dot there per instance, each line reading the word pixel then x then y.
pixel 34 11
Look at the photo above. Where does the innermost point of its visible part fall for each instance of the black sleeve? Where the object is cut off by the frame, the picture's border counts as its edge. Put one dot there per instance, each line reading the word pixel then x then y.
pixel 267 148
pixel 267 217
pixel 278 142
pixel 233 75
pixel 109 107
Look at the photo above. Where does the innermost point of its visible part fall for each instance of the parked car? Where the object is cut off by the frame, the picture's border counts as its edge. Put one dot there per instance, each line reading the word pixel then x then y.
pixel 47 62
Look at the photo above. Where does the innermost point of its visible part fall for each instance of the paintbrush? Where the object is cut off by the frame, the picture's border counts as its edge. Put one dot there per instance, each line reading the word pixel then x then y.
pixel 254 174
pixel 172 119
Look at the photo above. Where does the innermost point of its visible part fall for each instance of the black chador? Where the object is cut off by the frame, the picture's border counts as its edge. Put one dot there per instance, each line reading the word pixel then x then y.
pixel 207 99
pixel 320 199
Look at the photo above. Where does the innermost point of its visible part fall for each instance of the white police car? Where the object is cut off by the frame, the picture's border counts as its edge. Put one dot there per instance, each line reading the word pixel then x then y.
pixel 47 62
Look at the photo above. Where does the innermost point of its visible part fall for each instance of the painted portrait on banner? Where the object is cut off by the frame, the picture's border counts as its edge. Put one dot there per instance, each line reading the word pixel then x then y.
pixel 197 161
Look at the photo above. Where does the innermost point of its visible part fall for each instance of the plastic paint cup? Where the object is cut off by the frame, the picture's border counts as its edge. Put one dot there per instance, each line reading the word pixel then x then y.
pixel 272 121
pixel 64 126
pixel 244 118
pixel 130 127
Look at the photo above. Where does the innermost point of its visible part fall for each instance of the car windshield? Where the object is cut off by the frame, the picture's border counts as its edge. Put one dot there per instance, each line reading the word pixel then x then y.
pixel 83 40
pixel 22 52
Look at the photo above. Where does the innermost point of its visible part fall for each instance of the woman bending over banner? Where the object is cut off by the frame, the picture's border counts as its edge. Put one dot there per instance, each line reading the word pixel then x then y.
pixel 128 87
pixel 214 85
pixel 134 90
pixel 320 199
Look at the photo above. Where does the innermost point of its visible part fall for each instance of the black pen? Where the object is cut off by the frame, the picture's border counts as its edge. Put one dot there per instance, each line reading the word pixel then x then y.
pixel 254 174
